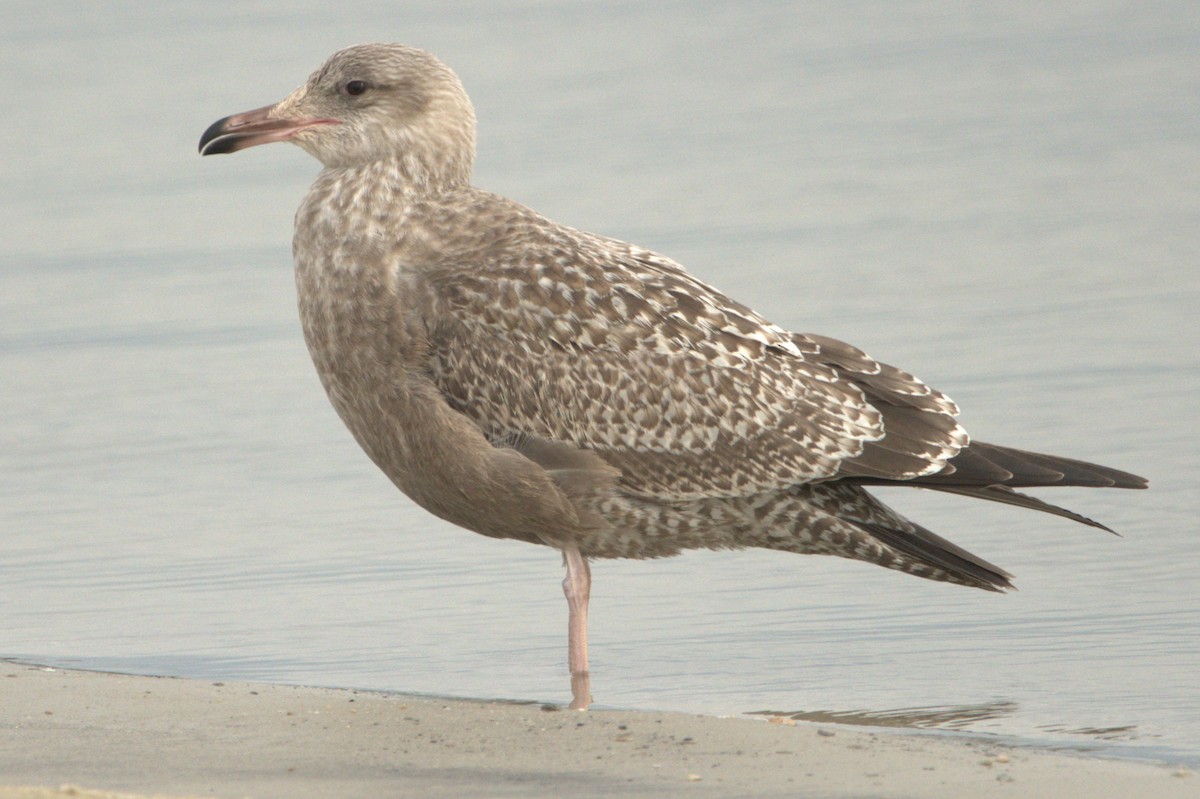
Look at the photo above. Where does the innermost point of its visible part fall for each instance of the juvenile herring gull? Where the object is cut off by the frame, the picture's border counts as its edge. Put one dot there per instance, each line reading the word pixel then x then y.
pixel 526 380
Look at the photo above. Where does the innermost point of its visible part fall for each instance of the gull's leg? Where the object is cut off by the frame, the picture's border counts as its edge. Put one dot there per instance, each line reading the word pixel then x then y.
pixel 577 585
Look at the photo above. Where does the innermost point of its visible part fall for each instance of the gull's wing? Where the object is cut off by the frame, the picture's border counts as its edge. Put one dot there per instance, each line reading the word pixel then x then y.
pixel 543 331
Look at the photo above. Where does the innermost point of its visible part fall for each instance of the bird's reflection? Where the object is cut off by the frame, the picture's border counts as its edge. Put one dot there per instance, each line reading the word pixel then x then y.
pixel 948 717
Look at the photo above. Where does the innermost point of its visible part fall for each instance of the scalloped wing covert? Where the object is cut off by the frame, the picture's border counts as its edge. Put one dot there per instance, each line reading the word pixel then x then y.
pixel 559 334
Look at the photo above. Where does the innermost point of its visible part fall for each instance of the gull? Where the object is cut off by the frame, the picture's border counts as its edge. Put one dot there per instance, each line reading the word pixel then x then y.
pixel 526 380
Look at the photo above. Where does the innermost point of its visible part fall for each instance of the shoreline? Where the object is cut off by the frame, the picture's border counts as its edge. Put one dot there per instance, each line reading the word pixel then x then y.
pixel 165 736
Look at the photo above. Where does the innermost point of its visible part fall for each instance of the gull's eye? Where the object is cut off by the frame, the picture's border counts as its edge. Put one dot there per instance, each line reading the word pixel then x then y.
pixel 355 87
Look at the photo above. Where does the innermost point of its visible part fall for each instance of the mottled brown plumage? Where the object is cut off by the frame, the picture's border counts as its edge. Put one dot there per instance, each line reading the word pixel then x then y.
pixel 526 380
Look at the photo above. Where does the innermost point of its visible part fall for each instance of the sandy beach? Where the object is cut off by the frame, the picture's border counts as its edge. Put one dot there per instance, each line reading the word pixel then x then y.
pixel 88 734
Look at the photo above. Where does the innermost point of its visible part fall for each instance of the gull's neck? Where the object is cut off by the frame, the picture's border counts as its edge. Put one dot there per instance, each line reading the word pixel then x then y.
pixel 351 209
pixel 387 179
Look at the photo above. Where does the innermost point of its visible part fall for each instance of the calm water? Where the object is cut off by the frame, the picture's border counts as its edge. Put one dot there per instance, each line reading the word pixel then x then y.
pixel 1004 200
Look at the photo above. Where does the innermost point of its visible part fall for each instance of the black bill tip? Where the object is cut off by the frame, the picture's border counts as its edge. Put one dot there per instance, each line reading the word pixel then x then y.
pixel 215 141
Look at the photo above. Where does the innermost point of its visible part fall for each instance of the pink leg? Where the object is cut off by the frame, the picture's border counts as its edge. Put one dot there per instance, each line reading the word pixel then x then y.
pixel 577 586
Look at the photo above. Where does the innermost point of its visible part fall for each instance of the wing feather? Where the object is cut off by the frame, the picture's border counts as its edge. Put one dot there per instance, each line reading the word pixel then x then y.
pixel 592 342
pixel 549 332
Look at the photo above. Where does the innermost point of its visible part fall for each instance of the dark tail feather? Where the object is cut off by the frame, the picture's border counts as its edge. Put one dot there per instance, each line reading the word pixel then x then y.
pixel 930 548
pixel 983 465
pixel 1004 494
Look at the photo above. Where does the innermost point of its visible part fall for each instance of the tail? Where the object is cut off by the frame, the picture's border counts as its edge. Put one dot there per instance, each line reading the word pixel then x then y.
pixel 988 471
pixel 926 554
pixel 840 518
pixel 983 471
pixel 980 464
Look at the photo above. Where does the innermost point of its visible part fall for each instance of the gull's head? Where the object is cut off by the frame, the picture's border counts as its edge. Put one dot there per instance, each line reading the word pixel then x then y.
pixel 371 102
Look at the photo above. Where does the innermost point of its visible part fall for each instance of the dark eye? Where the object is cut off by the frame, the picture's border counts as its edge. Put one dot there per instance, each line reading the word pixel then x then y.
pixel 355 87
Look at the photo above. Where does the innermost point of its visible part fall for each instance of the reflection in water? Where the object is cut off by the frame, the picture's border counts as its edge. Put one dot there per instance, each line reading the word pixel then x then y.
pixel 1126 732
pixel 950 717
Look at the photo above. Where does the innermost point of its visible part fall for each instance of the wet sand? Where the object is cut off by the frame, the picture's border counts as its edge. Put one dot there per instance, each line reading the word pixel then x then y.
pixel 110 736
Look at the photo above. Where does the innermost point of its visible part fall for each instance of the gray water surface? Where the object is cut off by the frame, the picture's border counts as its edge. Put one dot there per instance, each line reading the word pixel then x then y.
pixel 1004 199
